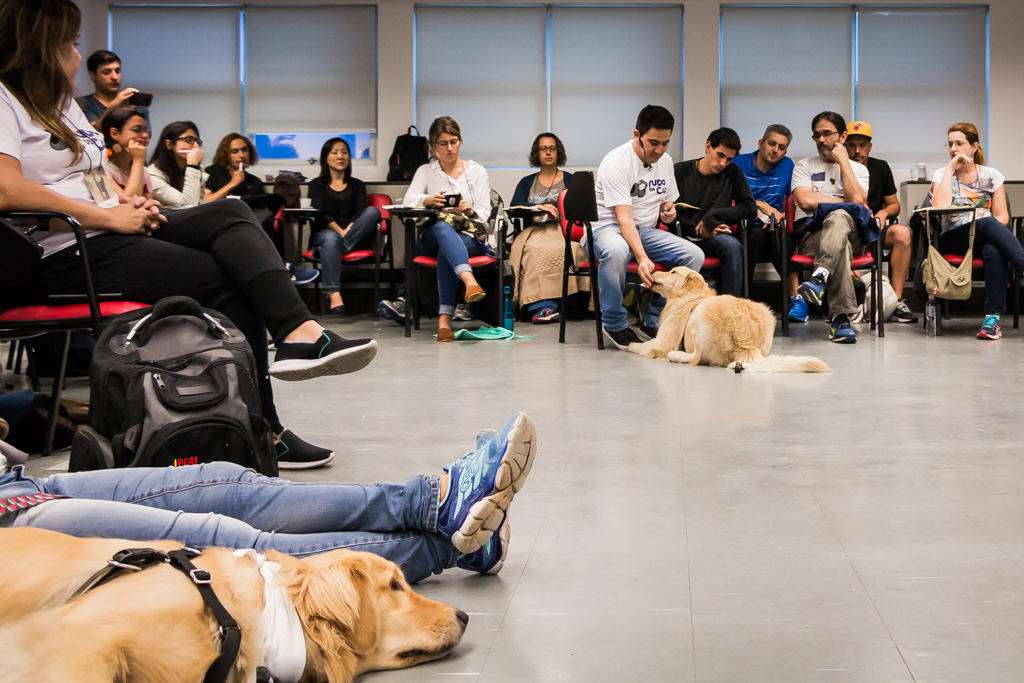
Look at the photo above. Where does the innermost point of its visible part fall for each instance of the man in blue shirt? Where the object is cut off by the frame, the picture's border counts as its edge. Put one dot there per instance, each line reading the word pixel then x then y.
pixel 105 73
pixel 769 173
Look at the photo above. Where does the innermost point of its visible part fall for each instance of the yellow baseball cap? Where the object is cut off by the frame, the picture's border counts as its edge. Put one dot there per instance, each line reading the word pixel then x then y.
pixel 859 128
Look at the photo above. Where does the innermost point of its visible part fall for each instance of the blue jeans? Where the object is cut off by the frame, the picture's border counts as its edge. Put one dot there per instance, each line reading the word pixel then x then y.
pixel 223 504
pixel 538 306
pixel 728 249
pixel 612 256
pixel 329 246
pixel 452 250
pixel 997 247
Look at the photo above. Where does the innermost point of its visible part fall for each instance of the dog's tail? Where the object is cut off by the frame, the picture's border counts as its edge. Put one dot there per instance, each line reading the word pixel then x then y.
pixel 755 362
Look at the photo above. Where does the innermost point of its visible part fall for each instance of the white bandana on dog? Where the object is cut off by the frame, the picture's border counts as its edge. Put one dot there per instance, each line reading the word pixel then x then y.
pixel 284 646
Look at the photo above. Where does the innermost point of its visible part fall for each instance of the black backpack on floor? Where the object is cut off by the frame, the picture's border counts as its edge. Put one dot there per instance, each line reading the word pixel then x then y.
pixel 173 385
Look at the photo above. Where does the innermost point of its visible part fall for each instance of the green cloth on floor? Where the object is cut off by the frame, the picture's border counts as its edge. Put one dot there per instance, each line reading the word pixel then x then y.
pixel 486 333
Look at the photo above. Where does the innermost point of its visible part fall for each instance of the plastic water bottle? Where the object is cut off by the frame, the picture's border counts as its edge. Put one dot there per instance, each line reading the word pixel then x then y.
pixel 929 315
pixel 510 315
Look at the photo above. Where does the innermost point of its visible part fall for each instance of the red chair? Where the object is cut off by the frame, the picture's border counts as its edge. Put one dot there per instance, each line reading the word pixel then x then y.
pixel 382 253
pixel 499 224
pixel 19 258
pixel 869 261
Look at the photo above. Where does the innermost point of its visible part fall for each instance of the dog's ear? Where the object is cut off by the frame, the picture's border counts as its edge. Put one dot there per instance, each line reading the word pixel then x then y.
pixel 330 596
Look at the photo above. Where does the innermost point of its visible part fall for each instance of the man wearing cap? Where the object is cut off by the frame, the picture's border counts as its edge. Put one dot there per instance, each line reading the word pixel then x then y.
pixel 884 203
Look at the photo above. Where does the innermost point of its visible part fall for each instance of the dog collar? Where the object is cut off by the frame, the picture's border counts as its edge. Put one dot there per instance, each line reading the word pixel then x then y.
pixel 284 643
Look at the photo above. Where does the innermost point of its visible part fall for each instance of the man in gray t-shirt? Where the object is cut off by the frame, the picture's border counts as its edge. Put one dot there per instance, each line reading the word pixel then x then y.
pixel 105 73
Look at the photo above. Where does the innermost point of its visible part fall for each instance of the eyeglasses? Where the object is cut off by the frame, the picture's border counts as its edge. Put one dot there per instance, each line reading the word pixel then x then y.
pixel 824 134
pixel 547 149
pixel 139 130
pixel 191 140
pixel 449 143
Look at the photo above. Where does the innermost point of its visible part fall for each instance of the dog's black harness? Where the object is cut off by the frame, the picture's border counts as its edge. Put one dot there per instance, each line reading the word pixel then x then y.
pixel 137 559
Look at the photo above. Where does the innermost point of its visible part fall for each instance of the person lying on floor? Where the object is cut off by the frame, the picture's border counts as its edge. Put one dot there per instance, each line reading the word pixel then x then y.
pixel 456 518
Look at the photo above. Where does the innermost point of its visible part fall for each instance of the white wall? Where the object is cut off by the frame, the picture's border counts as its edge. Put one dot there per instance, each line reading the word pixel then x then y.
pixel 700 93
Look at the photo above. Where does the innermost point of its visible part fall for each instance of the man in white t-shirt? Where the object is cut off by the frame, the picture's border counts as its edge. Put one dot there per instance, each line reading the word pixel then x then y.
pixel 829 178
pixel 636 189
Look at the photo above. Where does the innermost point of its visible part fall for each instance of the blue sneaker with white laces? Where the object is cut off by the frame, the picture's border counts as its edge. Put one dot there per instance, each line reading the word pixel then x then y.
pixel 840 331
pixel 490 558
pixel 482 484
pixel 798 310
pixel 812 291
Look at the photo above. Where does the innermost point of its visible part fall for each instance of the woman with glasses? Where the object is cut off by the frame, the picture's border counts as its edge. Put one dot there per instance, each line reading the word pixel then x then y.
pixel 178 178
pixel 52 159
pixel 126 135
pixel 462 191
pixel 966 181
pixel 537 251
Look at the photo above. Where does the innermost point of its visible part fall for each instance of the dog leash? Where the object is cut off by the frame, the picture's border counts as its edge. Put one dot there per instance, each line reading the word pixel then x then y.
pixel 137 559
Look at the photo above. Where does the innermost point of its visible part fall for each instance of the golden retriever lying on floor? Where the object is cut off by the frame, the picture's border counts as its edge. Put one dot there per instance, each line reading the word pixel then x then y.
pixel 716 330
pixel 357 614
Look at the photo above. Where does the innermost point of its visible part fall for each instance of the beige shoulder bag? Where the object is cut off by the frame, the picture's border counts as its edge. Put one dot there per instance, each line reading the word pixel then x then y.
pixel 949 281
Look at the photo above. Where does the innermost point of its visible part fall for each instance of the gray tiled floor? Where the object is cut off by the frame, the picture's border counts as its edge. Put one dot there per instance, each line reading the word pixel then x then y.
pixel 691 524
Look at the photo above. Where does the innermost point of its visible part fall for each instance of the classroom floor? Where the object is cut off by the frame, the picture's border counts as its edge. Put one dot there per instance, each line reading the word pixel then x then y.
pixel 692 524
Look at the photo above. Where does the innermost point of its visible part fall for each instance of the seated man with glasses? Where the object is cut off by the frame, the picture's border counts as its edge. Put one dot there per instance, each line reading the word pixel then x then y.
pixel 830 178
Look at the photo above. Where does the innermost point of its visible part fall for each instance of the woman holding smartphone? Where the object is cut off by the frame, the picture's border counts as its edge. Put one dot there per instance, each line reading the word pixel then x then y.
pixel 344 222
pixel 966 181
pixel 51 159
pixel 461 188
pixel 127 135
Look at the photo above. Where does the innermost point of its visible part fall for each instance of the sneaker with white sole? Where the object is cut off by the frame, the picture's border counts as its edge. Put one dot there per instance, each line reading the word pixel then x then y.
pixel 295 454
pixel 462 313
pixel 392 310
pixel 840 330
pixel 798 310
pixel 482 484
pixel 812 291
pixel 990 328
pixel 490 558
pixel 331 354
pixel 621 339
pixel 903 314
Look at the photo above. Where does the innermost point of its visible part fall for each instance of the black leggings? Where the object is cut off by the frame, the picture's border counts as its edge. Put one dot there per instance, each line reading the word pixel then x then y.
pixel 215 253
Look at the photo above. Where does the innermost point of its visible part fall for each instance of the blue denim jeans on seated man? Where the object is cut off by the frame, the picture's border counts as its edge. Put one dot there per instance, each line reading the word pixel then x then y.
pixel 452 250
pixel 329 246
pixel 613 254
pixel 223 504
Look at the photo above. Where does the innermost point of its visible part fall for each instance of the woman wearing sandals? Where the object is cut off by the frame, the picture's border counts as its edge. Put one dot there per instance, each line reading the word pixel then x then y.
pixel 460 230
pixel 965 181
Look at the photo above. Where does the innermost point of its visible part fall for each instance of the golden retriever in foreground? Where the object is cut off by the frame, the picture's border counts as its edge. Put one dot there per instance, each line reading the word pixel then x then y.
pixel 716 330
pixel 357 614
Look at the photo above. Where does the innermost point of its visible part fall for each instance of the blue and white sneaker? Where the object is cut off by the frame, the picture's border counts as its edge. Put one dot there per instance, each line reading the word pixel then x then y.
pixel 990 328
pixel 798 310
pixel 812 291
pixel 840 330
pixel 490 558
pixel 482 484
pixel 393 310
pixel 301 275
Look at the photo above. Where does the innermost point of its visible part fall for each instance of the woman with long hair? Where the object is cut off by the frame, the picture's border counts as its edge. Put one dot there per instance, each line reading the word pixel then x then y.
pixel 966 181
pixel 51 159
pixel 460 231
pixel 537 251
pixel 344 222
pixel 126 134
pixel 178 177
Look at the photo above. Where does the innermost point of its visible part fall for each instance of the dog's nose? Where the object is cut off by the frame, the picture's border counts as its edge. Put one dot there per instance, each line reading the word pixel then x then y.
pixel 462 617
